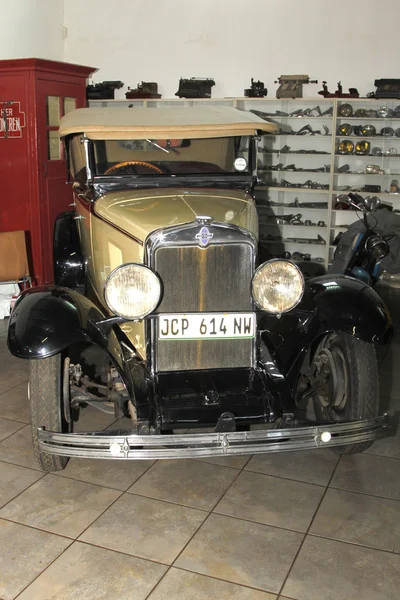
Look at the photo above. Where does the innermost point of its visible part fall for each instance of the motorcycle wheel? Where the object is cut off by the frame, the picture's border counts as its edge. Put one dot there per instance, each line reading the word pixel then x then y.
pixel 347 383
pixel 46 406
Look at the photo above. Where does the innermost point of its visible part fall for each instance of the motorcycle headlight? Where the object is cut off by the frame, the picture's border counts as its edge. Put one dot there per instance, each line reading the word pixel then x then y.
pixel 345 110
pixel 363 147
pixel 367 130
pixel 346 147
pixel 277 286
pixel 132 291
pixel 377 247
pixel 345 129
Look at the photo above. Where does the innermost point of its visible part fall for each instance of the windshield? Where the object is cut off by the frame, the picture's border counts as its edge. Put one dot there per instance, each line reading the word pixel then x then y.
pixel 223 156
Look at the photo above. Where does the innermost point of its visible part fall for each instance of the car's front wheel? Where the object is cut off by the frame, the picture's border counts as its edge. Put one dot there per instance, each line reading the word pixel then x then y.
pixel 46 399
pixel 346 383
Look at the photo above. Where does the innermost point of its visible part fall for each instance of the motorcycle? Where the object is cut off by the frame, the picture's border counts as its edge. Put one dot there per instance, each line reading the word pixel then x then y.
pixel 371 245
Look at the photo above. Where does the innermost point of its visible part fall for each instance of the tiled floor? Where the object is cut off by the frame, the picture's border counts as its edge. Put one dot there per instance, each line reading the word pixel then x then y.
pixel 305 526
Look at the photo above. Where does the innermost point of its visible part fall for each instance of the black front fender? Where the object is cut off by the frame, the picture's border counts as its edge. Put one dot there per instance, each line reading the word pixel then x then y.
pixel 46 320
pixel 330 303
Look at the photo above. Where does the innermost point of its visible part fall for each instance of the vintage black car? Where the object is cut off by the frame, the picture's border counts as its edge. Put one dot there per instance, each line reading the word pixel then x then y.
pixel 163 311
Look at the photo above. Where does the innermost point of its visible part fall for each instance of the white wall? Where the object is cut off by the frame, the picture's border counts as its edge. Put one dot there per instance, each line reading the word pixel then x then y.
pixel 31 28
pixel 232 40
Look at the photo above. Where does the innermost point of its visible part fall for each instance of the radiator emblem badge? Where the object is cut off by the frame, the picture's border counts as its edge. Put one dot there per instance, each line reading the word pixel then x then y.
pixel 204 236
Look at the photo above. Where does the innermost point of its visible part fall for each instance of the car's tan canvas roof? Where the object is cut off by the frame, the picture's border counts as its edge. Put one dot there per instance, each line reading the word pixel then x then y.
pixel 162 123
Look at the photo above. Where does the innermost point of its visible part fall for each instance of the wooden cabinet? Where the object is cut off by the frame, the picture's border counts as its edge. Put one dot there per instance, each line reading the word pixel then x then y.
pixel 34 94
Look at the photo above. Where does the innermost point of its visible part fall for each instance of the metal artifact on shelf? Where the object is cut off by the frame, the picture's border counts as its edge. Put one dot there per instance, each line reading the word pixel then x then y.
pixel 386 88
pixel 291 86
pixel 146 89
pixel 103 91
pixel 195 87
pixel 353 92
pixel 257 89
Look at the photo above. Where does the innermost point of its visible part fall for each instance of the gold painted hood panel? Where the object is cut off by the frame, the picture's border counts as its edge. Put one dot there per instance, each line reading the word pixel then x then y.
pixel 139 213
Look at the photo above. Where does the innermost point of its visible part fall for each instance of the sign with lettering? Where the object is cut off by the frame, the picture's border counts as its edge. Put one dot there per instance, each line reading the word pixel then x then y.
pixel 12 120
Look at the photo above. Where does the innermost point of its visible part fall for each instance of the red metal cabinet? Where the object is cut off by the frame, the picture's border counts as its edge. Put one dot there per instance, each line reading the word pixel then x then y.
pixel 34 94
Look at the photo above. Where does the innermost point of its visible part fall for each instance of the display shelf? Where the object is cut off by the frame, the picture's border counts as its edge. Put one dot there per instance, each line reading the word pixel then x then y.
pixel 271 225
pixel 378 119
pixel 290 189
pixel 393 138
pixel 393 194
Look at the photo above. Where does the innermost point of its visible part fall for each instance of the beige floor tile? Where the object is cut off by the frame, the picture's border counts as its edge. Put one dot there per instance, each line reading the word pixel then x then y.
pixel 359 519
pixel 124 424
pixel 189 482
pixel 241 552
pixel 59 505
pixel 4 388
pixel 117 474
pixel 237 462
pixel 14 480
pixel 17 449
pixel 271 500
pixel 8 427
pixel 333 570
pixel 389 446
pixel 14 404
pixel 91 419
pixel 376 475
pixel 146 528
pixel 191 586
pixel 88 573
pixel 24 553
pixel 312 466
pixel 389 382
pixel 14 376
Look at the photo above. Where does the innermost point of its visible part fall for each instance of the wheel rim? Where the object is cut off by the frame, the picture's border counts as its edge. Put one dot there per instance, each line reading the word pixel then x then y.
pixel 332 382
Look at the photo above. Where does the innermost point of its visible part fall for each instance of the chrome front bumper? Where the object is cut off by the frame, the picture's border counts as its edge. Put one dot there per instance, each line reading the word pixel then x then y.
pixel 197 445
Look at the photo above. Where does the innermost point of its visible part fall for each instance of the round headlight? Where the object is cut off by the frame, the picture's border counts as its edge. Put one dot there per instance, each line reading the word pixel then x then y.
pixel 132 291
pixel 346 147
pixel 377 247
pixel 277 286
pixel 363 147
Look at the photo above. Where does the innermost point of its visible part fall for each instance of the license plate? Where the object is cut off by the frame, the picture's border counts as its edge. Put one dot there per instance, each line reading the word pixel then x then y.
pixel 198 326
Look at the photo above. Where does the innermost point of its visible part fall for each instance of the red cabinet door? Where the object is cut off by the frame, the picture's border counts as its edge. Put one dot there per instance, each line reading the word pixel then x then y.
pixel 53 101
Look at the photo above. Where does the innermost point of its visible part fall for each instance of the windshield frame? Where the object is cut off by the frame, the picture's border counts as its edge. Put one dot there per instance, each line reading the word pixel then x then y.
pixel 166 179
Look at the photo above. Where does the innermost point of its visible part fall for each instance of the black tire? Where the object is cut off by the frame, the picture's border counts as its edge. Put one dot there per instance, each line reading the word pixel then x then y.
pixel 46 406
pixel 352 391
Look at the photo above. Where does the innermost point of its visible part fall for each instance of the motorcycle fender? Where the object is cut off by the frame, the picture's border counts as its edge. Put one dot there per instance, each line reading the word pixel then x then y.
pixel 46 320
pixel 330 303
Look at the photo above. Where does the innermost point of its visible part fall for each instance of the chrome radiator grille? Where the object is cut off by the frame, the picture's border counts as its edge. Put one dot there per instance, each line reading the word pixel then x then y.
pixel 196 279
pixel 212 279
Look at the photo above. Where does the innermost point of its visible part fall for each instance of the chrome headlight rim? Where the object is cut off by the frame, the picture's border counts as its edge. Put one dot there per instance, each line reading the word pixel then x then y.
pixel 377 247
pixel 279 260
pixel 143 314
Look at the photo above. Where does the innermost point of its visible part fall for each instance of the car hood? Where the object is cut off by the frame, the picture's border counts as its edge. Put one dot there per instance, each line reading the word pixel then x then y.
pixel 141 212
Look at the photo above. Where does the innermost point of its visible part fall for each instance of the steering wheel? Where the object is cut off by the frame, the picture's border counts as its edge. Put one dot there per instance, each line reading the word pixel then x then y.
pixel 120 165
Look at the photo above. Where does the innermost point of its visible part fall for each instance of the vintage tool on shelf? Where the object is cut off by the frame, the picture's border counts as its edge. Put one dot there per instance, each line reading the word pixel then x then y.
pixel 286 219
pixel 146 89
pixel 291 86
pixel 103 91
pixel 195 87
pixel 386 88
pixel 256 89
pixel 353 92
